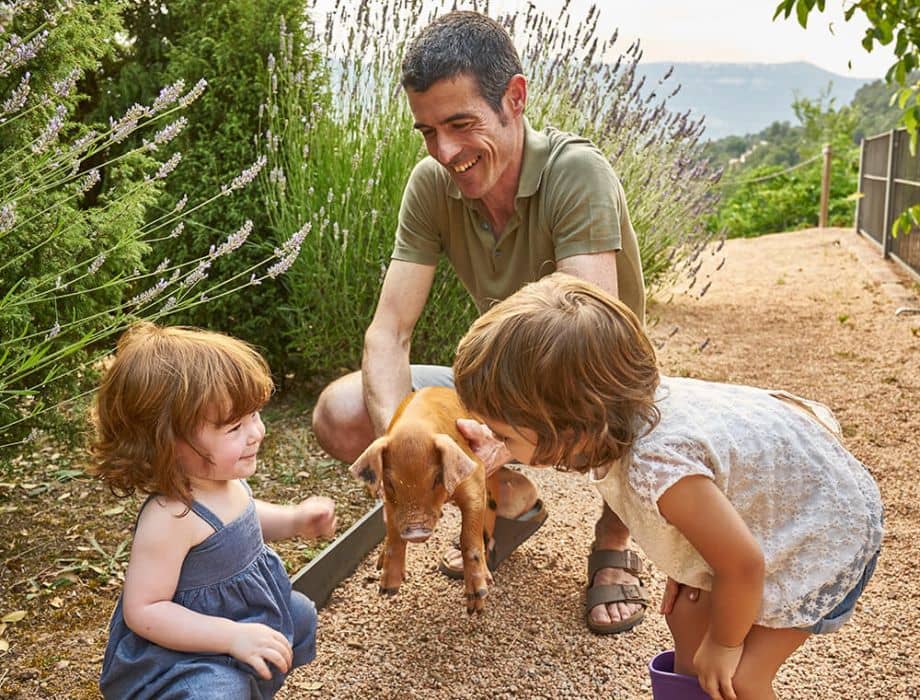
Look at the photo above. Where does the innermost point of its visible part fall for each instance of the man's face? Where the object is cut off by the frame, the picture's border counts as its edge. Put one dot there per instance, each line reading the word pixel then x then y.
pixel 465 135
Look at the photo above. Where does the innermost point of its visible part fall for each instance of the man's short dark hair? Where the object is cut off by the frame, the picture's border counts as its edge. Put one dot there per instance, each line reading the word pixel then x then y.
pixel 463 43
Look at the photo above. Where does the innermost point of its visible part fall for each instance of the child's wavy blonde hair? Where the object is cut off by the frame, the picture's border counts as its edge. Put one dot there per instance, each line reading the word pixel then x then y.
pixel 565 359
pixel 163 384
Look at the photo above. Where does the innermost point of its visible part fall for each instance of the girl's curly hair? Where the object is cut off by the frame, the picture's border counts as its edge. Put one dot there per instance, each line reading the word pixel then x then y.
pixel 162 386
pixel 565 359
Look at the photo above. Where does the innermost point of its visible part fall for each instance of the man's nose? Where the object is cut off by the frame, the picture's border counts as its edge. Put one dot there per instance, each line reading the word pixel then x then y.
pixel 448 149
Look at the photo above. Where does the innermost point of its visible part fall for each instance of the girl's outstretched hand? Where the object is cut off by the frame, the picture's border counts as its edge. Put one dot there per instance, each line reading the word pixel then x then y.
pixel 259 645
pixel 315 517
pixel 490 450
pixel 715 667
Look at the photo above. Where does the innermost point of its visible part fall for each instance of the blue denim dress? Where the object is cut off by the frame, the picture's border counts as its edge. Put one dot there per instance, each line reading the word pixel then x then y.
pixel 231 574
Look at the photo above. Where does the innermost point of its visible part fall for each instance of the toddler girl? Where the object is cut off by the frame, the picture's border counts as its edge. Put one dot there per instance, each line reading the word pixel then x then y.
pixel 744 493
pixel 207 609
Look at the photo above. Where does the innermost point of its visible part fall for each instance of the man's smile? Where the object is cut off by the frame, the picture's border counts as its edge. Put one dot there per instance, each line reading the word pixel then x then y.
pixel 463 167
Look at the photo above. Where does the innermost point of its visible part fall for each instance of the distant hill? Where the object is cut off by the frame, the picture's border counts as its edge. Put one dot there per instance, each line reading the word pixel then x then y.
pixel 743 98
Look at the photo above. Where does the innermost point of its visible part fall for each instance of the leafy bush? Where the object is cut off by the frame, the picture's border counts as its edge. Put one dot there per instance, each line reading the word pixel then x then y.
pixel 226 42
pixel 766 194
pixel 339 156
pixel 80 264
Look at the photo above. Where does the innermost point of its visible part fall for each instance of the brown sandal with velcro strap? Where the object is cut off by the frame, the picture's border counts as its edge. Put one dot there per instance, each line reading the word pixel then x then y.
pixel 628 561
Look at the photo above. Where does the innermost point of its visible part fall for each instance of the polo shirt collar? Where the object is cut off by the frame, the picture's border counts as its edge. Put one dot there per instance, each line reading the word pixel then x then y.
pixel 536 154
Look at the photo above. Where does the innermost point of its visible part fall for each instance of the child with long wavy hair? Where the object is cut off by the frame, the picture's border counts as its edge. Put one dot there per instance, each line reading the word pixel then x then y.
pixel 207 609
pixel 745 495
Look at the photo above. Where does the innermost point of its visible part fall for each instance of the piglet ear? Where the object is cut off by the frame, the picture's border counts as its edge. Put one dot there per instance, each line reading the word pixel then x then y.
pixel 369 466
pixel 457 464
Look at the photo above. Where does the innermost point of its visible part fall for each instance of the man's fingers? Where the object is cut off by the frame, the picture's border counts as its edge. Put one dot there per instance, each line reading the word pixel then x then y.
pixel 728 690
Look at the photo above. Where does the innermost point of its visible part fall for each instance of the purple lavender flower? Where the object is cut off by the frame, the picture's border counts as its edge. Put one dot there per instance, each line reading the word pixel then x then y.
pixel 18 96
pixel 51 130
pixel 167 96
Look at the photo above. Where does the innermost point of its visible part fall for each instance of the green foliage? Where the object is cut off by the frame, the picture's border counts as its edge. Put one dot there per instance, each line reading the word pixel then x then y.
pixel 79 263
pixel 339 156
pixel 895 23
pixel 767 195
pixel 877 114
pixel 225 42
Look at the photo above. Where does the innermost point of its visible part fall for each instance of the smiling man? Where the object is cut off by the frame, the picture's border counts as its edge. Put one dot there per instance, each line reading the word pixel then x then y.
pixel 506 205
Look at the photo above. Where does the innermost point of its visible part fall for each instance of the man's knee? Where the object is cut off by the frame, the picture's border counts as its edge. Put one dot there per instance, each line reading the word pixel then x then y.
pixel 516 493
pixel 340 422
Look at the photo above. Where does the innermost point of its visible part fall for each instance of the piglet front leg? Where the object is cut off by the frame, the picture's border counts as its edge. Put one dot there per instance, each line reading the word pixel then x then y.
pixel 392 559
pixel 476 574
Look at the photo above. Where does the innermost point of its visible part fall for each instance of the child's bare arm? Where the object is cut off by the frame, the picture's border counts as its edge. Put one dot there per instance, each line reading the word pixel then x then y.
pixel 161 543
pixel 702 513
pixel 314 517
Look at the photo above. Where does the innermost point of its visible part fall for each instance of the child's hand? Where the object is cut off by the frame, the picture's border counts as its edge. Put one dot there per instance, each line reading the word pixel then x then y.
pixel 315 517
pixel 493 453
pixel 715 667
pixel 257 645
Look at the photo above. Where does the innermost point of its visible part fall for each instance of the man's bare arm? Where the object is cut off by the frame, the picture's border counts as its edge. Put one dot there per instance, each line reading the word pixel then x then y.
pixel 597 268
pixel 387 341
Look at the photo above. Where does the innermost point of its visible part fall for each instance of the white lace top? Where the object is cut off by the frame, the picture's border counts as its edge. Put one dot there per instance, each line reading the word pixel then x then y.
pixel 812 506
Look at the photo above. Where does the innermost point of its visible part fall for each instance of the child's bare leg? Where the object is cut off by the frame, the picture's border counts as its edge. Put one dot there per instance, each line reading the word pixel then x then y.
pixel 765 649
pixel 688 621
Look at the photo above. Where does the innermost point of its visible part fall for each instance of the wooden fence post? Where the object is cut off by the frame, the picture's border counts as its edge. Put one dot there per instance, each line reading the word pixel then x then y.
pixel 825 186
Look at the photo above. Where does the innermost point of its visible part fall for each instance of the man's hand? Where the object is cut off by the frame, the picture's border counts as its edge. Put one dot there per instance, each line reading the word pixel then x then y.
pixel 671 591
pixel 490 450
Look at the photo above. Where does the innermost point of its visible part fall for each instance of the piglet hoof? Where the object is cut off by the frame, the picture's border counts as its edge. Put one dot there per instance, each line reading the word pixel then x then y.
pixel 475 602
pixel 388 591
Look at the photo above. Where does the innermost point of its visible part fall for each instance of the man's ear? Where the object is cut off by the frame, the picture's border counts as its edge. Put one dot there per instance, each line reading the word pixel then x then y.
pixel 516 95
pixel 457 464
pixel 369 466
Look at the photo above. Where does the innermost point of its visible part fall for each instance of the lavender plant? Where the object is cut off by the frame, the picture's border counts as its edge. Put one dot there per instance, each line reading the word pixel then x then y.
pixel 340 157
pixel 77 265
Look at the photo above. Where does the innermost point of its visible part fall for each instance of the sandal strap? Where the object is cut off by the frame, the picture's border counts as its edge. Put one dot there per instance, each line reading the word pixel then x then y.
pixel 626 559
pixel 616 593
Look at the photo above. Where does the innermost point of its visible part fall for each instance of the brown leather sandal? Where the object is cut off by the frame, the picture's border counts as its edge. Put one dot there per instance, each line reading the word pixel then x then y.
pixel 509 534
pixel 628 561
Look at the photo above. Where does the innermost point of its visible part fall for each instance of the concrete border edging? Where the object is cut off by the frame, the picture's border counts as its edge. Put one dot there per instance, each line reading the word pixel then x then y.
pixel 339 560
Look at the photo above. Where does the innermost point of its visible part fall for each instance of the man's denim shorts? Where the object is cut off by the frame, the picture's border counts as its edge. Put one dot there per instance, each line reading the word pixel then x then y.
pixel 834 620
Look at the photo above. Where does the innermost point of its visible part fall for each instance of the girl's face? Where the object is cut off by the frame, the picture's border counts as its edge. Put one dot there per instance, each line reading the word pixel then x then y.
pixel 521 442
pixel 223 452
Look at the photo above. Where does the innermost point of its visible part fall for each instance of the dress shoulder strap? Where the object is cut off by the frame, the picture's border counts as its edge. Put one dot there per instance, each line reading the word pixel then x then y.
pixel 206 514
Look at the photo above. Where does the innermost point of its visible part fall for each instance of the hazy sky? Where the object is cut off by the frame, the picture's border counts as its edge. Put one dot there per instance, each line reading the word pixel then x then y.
pixel 735 31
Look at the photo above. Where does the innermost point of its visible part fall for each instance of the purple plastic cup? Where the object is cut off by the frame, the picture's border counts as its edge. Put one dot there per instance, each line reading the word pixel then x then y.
pixel 667 685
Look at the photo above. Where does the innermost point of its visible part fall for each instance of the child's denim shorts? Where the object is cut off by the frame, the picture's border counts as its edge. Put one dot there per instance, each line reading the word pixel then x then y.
pixel 834 620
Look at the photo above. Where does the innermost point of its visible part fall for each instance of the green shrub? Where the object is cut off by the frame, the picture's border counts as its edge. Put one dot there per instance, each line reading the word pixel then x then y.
pixel 226 42
pixel 772 198
pixel 78 264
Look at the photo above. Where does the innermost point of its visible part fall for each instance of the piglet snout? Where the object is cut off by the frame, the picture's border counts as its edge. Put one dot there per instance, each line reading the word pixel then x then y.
pixel 415 533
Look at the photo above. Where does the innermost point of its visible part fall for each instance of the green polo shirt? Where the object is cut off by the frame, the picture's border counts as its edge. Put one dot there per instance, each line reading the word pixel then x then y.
pixel 569 202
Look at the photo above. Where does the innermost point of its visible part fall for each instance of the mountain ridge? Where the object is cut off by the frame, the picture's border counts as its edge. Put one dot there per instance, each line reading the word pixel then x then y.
pixel 744 98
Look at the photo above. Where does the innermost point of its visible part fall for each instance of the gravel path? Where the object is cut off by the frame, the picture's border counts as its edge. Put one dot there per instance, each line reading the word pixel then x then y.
pixel 811 312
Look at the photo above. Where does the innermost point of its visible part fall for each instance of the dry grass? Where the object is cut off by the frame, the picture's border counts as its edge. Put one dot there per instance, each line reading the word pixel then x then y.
pixel 811 312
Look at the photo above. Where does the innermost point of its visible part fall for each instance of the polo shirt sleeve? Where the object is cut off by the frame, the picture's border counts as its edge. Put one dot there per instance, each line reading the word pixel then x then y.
pixel 417 239
pixel 586 203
